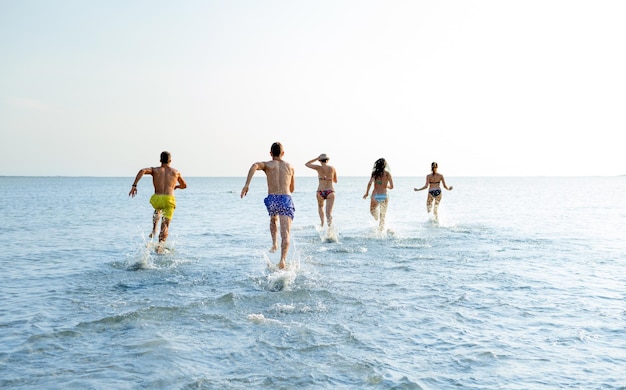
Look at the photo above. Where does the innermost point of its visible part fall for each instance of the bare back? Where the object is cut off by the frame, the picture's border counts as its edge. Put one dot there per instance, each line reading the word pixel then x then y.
pixel 165 179
pixel 326 177
pixel 381 184
pixel 280 177
pixel 433 180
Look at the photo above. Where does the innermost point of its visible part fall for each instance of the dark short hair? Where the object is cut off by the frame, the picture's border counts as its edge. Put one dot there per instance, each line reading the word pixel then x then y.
pixel 166 157
pixel 276 149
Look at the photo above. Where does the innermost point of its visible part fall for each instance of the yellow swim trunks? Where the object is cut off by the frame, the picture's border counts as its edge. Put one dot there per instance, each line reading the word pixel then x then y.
pixel 167 203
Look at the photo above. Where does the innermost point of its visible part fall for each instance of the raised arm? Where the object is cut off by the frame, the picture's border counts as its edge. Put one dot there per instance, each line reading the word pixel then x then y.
pixel 133 189
pixel 310 164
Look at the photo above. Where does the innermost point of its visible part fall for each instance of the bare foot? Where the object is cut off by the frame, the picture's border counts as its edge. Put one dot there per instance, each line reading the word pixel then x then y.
pixel 281 264
pixel 274 248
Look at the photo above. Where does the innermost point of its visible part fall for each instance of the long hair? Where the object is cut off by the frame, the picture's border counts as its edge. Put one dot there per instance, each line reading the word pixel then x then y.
pixel 379 168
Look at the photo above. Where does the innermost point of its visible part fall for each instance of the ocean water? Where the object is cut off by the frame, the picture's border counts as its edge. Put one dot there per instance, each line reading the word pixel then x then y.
pixel 521 284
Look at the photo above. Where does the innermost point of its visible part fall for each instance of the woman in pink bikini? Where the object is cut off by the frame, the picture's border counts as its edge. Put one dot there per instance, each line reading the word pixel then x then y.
pixel 326 175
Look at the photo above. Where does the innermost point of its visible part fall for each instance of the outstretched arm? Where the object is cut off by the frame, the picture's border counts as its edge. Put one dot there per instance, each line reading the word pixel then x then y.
pixel 255 167
pixel 424 187
pixel 133 189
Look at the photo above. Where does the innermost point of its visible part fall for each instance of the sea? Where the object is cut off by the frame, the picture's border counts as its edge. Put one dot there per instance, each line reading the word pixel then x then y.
pixel 520 284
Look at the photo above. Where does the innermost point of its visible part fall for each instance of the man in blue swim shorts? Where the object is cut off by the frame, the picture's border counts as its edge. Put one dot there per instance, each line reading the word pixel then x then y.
pixel 280 185
pixel 279 205
pixel 165 180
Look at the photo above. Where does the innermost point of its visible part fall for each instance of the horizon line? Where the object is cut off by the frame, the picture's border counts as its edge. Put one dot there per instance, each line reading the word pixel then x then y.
pixel 303 176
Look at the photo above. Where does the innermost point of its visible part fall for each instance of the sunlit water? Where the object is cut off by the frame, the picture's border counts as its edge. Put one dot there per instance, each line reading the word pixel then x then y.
pixel 521 284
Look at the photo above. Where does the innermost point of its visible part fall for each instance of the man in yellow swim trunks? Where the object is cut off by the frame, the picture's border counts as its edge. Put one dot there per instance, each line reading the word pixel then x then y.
pixel 165 180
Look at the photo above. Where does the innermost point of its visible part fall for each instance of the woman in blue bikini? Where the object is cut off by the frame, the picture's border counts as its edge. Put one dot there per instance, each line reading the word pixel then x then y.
pixel 382 180
pixel 434 190
pixel 325 191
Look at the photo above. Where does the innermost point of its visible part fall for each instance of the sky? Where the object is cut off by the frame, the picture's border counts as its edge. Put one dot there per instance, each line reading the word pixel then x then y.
pixel 485 88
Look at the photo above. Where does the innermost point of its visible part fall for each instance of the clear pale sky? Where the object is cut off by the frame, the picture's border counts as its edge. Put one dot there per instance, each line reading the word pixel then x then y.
pixel 485 88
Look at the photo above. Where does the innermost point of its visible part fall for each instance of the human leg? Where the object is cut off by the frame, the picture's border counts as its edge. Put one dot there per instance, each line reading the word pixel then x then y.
pixel 155 220
pixel 330 201
pixel 165 230
pixel 436 208
pixel 285 235
pixel 320 208
pixel 429 203
pixel 374 208
pixel 165 225
pixel 383 213
pixel 274 233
